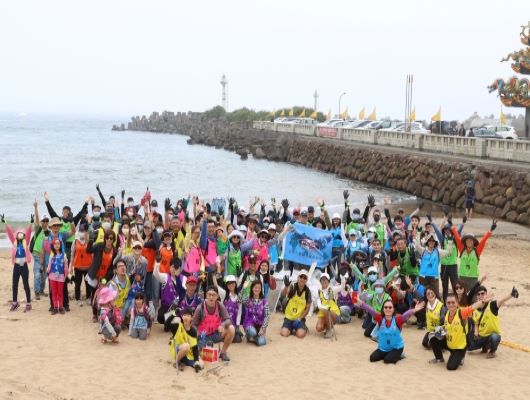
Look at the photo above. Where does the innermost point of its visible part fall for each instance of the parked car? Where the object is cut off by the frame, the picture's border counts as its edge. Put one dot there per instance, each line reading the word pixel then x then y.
pixel 284 120
pixel 358 124
pixel 329 122
pixel 504 131
pixel 385 124
pixel 415 127
pixel 485 133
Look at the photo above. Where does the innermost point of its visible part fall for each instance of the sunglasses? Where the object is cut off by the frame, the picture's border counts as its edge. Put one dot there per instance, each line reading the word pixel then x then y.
pixel 109 238
pixel 458 287
pixel 388 307
pixel 137 248
pixel 481 293
pixel 372 273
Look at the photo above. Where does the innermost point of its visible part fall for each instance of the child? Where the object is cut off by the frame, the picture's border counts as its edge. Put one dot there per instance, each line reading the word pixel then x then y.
pixel 183 345
pixel 135 289
pixel 140 325
pixel 20 257
pixel 109 325
pixel 57 272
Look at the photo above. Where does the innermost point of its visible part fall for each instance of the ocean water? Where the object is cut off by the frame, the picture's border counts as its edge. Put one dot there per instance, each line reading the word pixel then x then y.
pixel 68 155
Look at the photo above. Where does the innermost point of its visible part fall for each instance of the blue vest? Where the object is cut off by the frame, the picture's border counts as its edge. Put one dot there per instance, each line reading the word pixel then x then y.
pixel 20 252
pixel 389 338
pixel 337 237
pixel 57 266
pixel 429 264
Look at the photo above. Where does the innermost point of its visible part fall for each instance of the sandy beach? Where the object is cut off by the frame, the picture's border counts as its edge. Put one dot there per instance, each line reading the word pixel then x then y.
pixel 60 357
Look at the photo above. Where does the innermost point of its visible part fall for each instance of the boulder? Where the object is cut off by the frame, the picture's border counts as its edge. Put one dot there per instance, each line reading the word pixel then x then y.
pixel 512 216
pixel 510 193
pixel 259 153
pixel 523 218
pixel 479 192
pixel 507 207
pixel 488 210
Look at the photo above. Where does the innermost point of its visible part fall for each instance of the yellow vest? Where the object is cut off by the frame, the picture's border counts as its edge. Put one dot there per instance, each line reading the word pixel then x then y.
pixel 488 324
pixel 181 336
pixel 433 317
pixel 122 293
pixel 101 233
pixel 178 240
pixel 456 332
pixel 296 306
pixel 330 303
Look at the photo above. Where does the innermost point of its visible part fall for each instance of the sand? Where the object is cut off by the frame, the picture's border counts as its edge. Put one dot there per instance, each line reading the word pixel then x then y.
pixel 60 357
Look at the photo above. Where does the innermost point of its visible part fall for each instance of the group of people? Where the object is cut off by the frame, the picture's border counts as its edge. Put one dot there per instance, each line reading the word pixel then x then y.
pixel 208 272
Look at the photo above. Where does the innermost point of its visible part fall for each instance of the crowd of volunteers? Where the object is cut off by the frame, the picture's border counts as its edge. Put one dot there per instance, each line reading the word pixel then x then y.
pixel 215 272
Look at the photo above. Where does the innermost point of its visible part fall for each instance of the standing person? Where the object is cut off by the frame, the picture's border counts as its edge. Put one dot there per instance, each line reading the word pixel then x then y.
pixel 456 327
pixel 41 231
pixel 470 197
pixel 20 258
pixel 213 324
pixel 81 261
pixel 298 304
pixel 57 272
pixel 470 250
pixel 430 261
pixel 172 286
pixel 487 331
pixel 390 341
pixel 449 271
pixel 104 254
pixel 151 245
pixel 256 315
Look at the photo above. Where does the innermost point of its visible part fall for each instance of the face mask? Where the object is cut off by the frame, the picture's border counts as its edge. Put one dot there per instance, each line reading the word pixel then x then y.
pixel 379 290
pixel 97 214
pixel 130 203
pixel 105 225
pixel 130 214
pixel 140 228
pixel 153 209
pixel 46 232
pixel 377 218
pixel 81 237
pixel 356 216
pixel 125 231
pixel 160 230
pixel 372 278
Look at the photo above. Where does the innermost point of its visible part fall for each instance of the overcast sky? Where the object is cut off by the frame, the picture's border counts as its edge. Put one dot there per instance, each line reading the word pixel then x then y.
pixel 133 57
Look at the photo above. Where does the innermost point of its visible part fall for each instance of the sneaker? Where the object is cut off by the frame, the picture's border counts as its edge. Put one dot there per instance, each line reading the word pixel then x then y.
pixel 14 306
pixel 491 355
pixel 44 294
pixel 61 310
pixel 436 361
pixel 67 308
pixel 28 307
pixel 55 311
pixel 37 296
pixel 50 309
pixel 224 357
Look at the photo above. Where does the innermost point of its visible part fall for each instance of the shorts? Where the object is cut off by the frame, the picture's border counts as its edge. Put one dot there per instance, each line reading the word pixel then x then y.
pixel 187 362
pixel 469 203
pixel 214 338
pixel 294 325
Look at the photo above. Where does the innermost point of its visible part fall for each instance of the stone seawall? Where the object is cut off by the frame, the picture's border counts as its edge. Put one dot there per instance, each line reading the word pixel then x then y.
pixel 501 191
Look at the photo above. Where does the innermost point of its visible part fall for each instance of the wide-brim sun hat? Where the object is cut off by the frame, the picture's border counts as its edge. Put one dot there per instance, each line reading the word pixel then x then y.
pixel 324 275
pixel 470 236
pixel 264 232
pixel 55 222
pixel 106 295
pixel 360 253
pixel 272 227
pixel 236 233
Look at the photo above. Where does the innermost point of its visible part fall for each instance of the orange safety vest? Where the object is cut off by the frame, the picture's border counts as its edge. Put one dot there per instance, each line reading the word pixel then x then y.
pixel 82 259
pixel 106 262
pixel 150 256
pixel 167 257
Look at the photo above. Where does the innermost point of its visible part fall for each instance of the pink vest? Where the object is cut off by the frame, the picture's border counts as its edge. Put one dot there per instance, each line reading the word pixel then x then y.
pixel 13 238
pixel 211 255
pixel 193 261
pixel 210 322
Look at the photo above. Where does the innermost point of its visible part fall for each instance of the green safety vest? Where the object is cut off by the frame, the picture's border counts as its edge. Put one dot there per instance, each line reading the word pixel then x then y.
pixel 468 264
pixel 66 228
pixel 376 305
pixel 354 225
pixel 406 266
pixel 380 233
pixel 234 263
pixel 39 240
pixel 451 259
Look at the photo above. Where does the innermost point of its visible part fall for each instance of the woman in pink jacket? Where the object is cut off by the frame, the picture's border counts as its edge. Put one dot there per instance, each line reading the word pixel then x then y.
pixel 20 258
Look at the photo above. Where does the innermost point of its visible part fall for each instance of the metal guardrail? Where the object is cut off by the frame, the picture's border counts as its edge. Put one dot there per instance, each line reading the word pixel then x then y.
pixel 501 149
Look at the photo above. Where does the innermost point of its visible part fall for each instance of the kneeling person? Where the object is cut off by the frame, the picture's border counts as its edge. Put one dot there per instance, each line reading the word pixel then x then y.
pixel 299 301
pixel 329 311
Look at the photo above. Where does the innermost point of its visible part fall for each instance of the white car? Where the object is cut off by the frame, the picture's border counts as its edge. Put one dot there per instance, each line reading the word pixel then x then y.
pixel 304 121
pixel 415 127
pixel 331 122
pixel 359 124
pixel 504 131
pixel 284 120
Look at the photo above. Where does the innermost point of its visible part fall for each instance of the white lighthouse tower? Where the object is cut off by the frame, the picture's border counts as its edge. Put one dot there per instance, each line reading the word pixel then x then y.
pixel 224 98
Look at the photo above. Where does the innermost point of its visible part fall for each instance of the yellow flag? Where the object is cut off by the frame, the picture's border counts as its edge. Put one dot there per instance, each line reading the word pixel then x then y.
pixel 361 114
pixel 291 112
pixel 273 113
pixel 373 115
pixel 302 114
pixel 314 114
pixel 282 114
pixel 344 114
pixel 412 116
pixel 328 117
pixel 438 116
pixel 502 118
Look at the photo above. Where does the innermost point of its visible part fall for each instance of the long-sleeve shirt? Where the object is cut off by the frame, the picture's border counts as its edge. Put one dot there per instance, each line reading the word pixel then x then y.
pixel 461 246
pixel 266 310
